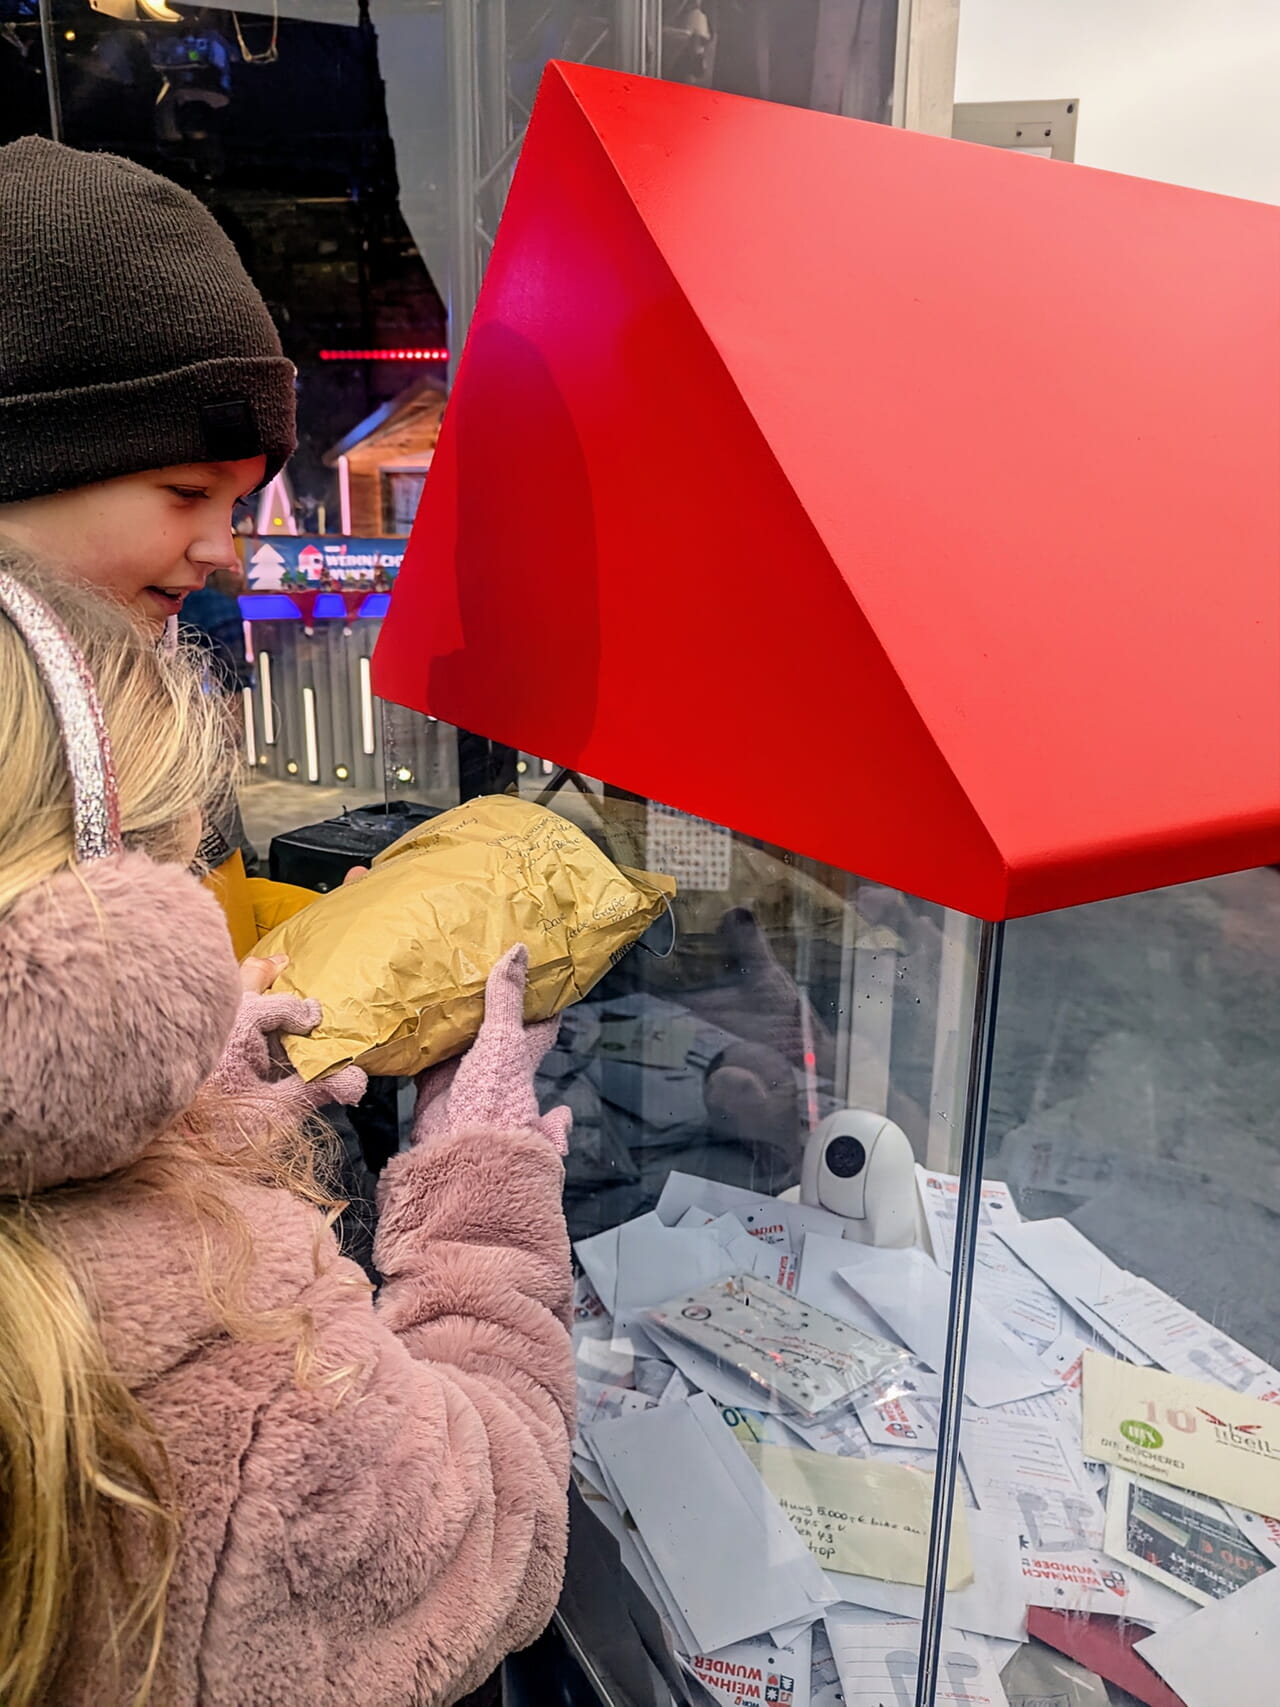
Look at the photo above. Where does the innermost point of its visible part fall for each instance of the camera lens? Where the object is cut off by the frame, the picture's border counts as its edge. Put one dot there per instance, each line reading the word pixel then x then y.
pixel 846 1157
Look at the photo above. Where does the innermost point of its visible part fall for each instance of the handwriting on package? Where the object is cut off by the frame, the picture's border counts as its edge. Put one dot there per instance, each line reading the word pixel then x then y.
pixel 1190 1433
pixel 785 1348
pixel 859 1516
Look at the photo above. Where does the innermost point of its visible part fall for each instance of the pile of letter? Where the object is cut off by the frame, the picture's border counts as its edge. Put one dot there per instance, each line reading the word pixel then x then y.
pixel 759 1401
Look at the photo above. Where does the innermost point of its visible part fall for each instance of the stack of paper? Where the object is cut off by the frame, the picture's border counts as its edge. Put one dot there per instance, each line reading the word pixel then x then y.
pixel 743 1523
pixel 1076 1270
pixel 724 1560
pixel 913 1295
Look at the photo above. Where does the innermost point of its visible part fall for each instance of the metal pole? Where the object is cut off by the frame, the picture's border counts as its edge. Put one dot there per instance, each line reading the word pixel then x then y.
pixel 464 258
pixel 50 48
pixel 495 122
pixel 627 25
pixel 986 993
pixel 495 160
pixel 638 38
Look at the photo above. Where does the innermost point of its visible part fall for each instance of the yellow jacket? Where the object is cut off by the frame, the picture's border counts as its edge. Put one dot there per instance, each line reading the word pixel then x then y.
pixel 253 905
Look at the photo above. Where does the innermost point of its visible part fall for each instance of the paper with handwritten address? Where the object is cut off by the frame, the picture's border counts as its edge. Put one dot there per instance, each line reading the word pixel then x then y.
pixel 1191 1433
pixel 860 1516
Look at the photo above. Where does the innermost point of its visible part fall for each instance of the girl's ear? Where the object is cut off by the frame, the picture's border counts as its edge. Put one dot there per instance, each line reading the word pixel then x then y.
pixel 118 989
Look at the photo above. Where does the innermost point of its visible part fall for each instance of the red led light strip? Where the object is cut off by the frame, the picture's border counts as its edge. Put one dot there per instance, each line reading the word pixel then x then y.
pixel 411 355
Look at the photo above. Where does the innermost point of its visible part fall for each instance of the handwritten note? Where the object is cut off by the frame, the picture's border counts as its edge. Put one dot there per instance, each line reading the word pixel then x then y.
pixel 860 1516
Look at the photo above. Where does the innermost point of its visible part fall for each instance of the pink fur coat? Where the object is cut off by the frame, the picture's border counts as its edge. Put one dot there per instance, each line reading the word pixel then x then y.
pixel 382 1532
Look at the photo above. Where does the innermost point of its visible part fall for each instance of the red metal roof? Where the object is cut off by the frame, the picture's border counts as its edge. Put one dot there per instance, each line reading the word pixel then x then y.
pixel 913 505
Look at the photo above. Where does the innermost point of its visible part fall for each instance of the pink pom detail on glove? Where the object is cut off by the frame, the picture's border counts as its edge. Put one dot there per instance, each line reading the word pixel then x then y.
pixel 247 1067
pixel 492 1084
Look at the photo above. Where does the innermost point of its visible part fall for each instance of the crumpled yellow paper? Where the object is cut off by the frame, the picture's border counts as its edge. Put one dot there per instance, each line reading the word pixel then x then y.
pixel 398 960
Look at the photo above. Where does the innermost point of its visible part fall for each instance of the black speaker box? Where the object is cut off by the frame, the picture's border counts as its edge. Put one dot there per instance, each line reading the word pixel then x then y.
pixel 319 856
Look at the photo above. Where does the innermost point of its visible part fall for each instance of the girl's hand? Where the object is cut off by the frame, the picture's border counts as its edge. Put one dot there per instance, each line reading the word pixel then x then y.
pixel 257 976
pixel 492 1084
pixel 247 1067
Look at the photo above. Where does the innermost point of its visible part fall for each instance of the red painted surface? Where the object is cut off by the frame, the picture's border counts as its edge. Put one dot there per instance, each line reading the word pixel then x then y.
pixel 1106 1646
pixel 913 505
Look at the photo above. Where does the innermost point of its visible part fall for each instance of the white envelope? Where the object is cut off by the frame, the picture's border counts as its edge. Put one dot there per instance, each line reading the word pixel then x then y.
pixel 1076 1270
pixel 1064 1259
pixel 993 1604
pixel 1031 1474
pixel 914 1297
pixel 636 1562
pixel 604 1359
pixel 599 1257
pixel 715 1538
pixel 821 1284
pixel 1181 1342
pixel 878 1665
pixel 657 1263
pixel 1016 1296
pixel 940 1199
pixel 1263 1532
pixel 1225 1653
pixel 695 1217
pixel 760 1215
pixel 1095 1582
pixel 600 1400
pixel 746 1672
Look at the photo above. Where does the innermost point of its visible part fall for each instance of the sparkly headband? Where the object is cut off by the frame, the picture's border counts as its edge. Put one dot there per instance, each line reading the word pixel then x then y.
pixel 75 703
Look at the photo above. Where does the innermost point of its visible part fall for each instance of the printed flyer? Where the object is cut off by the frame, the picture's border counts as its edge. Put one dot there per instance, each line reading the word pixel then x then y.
pixel 1190 1433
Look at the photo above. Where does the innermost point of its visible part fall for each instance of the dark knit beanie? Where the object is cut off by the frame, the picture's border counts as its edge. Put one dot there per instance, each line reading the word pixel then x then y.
pixel 130 335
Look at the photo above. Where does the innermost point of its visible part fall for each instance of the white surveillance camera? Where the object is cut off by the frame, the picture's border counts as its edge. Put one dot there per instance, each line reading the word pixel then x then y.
pixel 861 1166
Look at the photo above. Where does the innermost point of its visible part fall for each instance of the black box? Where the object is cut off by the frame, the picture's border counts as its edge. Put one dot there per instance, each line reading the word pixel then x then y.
pixel 319 856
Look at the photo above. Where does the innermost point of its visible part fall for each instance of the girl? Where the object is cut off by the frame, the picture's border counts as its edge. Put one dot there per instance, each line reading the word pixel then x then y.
pixel 228 1477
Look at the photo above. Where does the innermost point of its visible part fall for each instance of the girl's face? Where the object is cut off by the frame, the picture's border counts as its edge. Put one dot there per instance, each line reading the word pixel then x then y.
pixel 149 539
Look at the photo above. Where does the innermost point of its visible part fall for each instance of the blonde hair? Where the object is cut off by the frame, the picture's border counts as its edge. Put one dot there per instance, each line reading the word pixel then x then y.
pixel 167 735
pixel 90 1518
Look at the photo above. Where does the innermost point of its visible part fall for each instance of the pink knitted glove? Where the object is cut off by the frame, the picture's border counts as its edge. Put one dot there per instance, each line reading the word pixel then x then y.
pixel 492 1084
pixel 247 1067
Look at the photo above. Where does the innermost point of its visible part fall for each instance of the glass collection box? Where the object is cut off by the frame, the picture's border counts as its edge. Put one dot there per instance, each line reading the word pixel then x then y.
pixel 924 1179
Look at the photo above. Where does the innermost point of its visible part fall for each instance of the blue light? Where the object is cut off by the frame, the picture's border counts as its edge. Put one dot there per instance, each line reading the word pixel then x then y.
pixel 279 607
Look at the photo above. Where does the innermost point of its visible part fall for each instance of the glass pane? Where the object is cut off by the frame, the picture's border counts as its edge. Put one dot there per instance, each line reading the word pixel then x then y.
pixel 460 81
pixel 359 156
pixel 754 1105
pixel 1133 1124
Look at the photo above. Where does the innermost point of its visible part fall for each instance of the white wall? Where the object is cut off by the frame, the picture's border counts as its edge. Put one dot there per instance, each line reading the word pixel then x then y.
pixel 1183 90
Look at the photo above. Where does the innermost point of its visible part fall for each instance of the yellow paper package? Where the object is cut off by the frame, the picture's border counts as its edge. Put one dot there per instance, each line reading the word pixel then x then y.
pixel 398 961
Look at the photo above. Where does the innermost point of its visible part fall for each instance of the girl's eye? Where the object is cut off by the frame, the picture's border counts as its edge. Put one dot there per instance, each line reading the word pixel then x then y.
pixel 188 492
